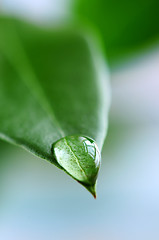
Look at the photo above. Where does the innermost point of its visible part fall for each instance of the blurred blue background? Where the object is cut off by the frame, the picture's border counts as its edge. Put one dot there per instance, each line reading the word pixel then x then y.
pixel 38 201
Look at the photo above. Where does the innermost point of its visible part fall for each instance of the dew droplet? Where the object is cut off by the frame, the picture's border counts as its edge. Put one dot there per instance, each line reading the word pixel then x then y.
pixel 79 156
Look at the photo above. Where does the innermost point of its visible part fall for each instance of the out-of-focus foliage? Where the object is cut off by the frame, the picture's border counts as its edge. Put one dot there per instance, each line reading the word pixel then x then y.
pixel 124 25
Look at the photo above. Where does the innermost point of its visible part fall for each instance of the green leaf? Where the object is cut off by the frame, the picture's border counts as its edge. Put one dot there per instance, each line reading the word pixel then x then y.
pixel 125 26
pixel 53 94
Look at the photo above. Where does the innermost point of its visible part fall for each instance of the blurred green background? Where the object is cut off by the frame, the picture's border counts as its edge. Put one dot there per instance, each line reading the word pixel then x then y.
pixel 125 26
pixel 38 201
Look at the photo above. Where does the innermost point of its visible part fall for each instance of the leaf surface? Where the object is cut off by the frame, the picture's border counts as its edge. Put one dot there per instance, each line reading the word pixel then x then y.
pixel 52 85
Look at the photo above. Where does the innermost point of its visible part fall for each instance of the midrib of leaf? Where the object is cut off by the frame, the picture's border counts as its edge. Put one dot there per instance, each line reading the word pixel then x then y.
pixel 76 158
pixel 23 66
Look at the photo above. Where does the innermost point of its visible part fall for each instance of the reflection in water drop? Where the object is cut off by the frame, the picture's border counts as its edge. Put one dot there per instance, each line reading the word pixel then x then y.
pixel 79 157
pixel 92 149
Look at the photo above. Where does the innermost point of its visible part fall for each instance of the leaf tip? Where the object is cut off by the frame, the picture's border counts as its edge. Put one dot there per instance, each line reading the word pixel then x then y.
pixel 79 156
pixel 91 189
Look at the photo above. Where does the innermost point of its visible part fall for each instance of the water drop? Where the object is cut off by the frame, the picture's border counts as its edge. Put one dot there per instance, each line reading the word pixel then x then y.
pixel 79 156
